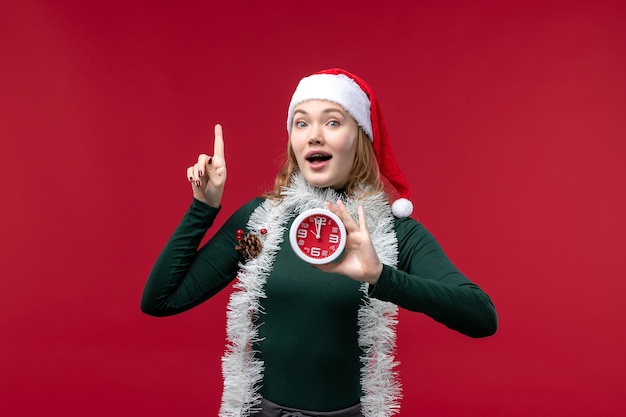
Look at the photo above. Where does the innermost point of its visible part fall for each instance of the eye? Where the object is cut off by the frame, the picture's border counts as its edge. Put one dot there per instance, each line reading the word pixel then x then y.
pixel 300 124
pixel 333 123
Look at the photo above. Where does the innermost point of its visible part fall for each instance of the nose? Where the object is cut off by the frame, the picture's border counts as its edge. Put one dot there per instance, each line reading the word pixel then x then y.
pixel 316 135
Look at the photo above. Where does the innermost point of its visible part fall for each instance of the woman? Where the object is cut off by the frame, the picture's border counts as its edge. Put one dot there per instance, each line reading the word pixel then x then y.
pixel 319 340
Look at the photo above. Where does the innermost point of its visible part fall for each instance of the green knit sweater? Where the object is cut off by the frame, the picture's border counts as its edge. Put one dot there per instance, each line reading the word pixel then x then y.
pixel 308 338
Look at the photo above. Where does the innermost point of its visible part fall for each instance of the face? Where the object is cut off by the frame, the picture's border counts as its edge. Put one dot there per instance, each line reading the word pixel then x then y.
pixel 324 141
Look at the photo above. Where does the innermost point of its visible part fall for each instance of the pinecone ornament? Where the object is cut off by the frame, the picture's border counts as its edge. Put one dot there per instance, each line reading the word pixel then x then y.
pixel 249 244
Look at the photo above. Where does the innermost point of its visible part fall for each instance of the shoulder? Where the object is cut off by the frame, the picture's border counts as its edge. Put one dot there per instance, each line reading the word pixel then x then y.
pixel 253 203
pixel 246 210
pixel 407 226
pixel 412 233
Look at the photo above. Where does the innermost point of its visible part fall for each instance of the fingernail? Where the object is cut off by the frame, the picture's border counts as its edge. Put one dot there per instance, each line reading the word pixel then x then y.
pixel 210 161
pixel 200 173
pixel 190 179
pixel 197 183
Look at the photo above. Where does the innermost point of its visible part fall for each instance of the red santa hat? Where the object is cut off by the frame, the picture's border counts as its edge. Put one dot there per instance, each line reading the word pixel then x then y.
pixel 354 95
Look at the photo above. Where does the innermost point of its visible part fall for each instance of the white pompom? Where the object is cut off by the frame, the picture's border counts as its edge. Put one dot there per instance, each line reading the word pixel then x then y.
pixel 402 208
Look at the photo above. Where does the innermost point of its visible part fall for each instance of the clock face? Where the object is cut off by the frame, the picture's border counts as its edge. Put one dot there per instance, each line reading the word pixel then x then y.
pixel 318 236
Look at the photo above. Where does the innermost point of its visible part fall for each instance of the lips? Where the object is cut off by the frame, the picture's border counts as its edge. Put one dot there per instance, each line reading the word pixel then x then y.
pixel 317 159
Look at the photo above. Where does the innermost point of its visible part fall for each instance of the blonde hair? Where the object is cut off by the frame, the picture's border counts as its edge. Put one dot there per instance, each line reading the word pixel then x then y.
pixel 364 178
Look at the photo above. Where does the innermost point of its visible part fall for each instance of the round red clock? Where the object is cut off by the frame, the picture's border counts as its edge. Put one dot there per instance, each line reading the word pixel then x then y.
pixel 317 236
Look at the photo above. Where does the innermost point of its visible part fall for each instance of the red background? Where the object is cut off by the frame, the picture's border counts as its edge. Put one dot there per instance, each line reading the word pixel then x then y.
pixel 508 118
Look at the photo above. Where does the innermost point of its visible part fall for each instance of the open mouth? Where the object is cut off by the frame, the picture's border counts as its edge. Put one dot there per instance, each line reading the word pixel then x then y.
pixel 318 157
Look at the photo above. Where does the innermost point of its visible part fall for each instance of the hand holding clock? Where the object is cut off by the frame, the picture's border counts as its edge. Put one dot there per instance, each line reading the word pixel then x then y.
pixel 360 261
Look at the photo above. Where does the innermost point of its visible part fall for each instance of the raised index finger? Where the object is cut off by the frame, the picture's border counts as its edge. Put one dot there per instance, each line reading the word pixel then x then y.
pixel 218 144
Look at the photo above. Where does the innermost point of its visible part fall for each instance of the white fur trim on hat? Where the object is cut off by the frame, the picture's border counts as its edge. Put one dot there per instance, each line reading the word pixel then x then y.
pixel 339 89
pixel 402 207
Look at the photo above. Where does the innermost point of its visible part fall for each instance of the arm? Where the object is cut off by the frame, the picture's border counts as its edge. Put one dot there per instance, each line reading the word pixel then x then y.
pixel 427 282
pixel 182 276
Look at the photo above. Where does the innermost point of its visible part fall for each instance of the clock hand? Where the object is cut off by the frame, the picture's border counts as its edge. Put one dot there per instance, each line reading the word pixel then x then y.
pixel 318 226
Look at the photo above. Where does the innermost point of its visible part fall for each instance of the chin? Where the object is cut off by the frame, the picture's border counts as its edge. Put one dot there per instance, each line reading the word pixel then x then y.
pixel 316 181
pixel 319 184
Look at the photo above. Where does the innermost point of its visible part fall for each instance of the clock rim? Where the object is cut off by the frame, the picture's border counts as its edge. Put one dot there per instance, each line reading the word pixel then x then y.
pixel 293 239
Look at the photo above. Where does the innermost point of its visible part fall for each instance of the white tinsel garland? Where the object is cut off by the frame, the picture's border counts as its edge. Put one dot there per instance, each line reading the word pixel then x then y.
pixel 377 319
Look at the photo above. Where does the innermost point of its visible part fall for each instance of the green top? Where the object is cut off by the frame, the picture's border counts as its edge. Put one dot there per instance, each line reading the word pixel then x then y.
pixel 308 337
